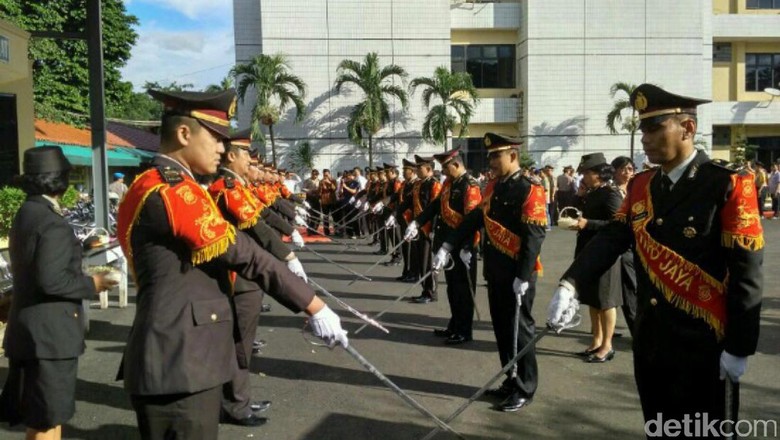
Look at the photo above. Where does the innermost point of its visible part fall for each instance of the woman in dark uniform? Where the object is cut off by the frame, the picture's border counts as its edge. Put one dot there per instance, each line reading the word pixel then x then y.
pixel 598 202
pixel 624 171
pixel 45 334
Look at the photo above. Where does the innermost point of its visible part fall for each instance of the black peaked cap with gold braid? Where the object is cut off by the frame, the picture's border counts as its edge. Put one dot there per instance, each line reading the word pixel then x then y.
pixel 212 110
pixel 654 104
pixel 496 142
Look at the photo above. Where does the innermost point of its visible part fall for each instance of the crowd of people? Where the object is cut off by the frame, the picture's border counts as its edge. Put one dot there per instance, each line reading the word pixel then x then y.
pixel 678 247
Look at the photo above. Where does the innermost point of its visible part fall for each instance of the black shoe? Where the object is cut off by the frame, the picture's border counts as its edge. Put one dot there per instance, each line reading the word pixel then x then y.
pixel 251 420
pixel 587 352
pixel 423 299
pixel 260 405
pixel 265 308
pixel 411 279
pixel 514 402
pixel 501 392
pixel 442 333
pixel 593 359
pixel 456 339
pixel 392 262
pixel 402 277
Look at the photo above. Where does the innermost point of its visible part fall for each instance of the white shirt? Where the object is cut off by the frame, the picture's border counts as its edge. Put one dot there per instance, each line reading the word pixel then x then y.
pixel 676 173
pixel 362 182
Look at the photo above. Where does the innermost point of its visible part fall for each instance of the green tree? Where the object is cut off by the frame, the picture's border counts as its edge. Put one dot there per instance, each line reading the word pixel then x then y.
pixel 276 88
pixel 61 76
pixel 140 106
pixel 301 157
pixel 526 161
pixel 225 84
pixel 615 118
pixel 458 97
pixel 377 84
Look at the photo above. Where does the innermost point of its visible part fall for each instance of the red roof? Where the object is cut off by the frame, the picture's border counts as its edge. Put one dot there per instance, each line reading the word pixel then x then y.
pixel 118 135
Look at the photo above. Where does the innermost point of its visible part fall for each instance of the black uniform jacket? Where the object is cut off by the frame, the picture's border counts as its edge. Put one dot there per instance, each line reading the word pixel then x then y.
pixel 181 340
pixel 45 317
pixel 515 205
pixel 688 221
pixel 458 202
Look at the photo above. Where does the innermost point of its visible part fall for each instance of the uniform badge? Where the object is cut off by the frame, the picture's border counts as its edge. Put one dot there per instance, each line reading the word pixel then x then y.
pixel 638 207
pixel 640 103
pixel 705 293
pixel 689 232
pixel 487 141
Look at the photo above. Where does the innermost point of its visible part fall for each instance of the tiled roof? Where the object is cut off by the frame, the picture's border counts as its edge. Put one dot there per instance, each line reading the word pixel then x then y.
pixel 135 136
pixel 117 135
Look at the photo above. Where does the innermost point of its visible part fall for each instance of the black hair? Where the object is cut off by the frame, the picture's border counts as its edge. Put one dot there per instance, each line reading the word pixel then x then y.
pixel 605 172
pixel 50 184
pixel 621 161
pixel 170 121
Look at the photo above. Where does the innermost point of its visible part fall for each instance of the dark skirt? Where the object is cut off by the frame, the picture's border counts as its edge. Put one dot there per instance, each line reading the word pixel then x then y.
pixel 607 292
pixel 39 393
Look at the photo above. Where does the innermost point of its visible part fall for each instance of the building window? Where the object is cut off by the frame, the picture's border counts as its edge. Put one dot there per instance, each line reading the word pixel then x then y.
pixel 763 4
pixel 490 66
pixel 721 52
pixel 762 70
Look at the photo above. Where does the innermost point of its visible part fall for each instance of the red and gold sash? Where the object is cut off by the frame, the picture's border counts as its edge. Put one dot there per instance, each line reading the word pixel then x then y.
pixel 192 215
pixel 684 284
pixel 239 202
pixel 740 215
pixel 501 238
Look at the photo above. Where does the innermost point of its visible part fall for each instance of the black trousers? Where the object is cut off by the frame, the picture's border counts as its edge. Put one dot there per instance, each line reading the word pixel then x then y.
pixel 459 295
pixel 676 388
pixel 178 416
pixel 503 304
pixel 425 261
pixel 237 394
pixel 314 219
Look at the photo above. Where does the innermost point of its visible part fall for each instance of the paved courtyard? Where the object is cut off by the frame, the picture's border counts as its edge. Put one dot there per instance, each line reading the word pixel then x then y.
pixel 325 394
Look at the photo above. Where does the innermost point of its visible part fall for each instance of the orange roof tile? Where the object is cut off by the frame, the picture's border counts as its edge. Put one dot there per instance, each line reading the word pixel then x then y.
pixel 69 135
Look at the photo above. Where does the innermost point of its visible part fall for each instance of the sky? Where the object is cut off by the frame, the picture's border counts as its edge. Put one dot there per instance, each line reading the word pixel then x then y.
pixel 187 41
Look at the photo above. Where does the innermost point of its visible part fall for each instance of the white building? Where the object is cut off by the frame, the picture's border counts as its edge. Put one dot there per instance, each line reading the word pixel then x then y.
pixel 543 68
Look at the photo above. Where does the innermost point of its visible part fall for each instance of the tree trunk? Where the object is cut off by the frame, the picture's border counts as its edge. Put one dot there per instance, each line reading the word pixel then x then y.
pixel 631 149
pixel 273 144
pixel 370 151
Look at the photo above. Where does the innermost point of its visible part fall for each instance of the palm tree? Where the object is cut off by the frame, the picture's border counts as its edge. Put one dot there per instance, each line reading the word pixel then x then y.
pixel 225 84
pixel 458 97
pixel 373 112
pixel 301 157
pixel 275 86
pixel 615 116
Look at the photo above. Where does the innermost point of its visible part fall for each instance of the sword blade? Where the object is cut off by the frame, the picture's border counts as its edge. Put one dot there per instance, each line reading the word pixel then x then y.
pixel 484 388
pixel 349 308
pixel 341 266
pixel 403 395
pixel 473 294
pixel 399 298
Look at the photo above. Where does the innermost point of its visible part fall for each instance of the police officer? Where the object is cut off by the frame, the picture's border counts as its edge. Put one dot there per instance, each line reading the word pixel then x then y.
pixel 514 216
pixel 459 196
pixel 698 246
pixel 180 350
pixel 237 204
pixel 411 272
pixel 424 192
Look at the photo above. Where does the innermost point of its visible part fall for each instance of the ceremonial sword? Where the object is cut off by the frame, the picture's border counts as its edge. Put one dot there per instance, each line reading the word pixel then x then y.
pixel 336 264
pixel 347 307
pixel 377 263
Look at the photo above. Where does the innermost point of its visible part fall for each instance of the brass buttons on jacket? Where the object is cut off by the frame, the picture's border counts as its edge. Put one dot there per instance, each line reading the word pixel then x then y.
pixel 653 302
pixel 689 232
pixel 213 316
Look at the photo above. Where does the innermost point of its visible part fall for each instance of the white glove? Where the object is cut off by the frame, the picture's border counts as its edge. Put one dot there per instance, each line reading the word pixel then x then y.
pixel 296 267
pixel 465 257
pixel 561 302
pixel 297 239
pixel 520 287
pixel 299 221
pixel 326 325
pixel 441 258
pixel 366 206
pixel 390 222
pixel 733 366
pixel 306 204
pixel 302 212
pixel 352 200
pixel 358 204
pixel 411 231
pixel 378 208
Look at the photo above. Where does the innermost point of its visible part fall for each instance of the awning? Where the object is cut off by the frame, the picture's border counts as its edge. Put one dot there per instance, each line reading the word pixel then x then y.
pixel 143 155
pixel 82 156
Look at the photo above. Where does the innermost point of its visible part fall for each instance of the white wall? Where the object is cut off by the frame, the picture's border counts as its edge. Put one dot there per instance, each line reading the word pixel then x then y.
pixel 318 34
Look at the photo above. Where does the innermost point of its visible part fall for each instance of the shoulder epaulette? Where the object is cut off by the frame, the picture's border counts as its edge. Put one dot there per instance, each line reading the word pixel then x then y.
pixel 473 181
pixel 726 165
pixel 170 175
pixel 230 183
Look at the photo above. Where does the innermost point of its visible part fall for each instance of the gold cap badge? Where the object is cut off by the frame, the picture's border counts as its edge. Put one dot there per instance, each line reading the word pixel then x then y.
pixel 640 103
